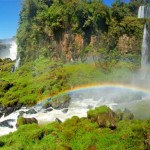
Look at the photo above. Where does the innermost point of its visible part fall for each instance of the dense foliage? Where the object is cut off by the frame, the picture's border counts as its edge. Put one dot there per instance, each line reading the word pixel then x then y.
pixel 73 30
pixel 41 79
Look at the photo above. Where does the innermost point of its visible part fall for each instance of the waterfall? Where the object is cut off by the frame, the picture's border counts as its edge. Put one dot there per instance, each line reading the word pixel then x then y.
pixel 144 12
pixel 17 64
pixel 13 50
pixel 145 60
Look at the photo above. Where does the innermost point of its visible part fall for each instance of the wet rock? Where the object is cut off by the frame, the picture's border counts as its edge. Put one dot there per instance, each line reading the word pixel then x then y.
pixel 21 114
pixel 6 123
pixel 47 105
pixel 31 111
pixel 22 121
pixel 18 106
pixel 58 102
pixel 8 111
pixel 1 114
pixel 48 110
pixel 65 110
pixel 58 120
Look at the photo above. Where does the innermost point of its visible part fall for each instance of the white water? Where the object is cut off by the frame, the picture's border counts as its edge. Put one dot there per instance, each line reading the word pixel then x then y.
pixel 80 102
pixel 145 60
pixel 144 12
pixel 17 63
pixel 13 50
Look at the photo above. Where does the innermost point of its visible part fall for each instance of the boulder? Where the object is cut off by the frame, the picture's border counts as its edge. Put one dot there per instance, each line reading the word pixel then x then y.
pixel 104 116
pixel 58 102
pixel 58 120
pixel 8 111
pixel 6 123
pixel 31 111
pixel 21 114
pixel 65 110
pixel 1 114
pixel 22 121
pixel 48 110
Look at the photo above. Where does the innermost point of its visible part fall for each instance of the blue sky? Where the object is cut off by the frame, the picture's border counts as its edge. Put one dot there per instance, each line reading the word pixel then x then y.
pixel 9 16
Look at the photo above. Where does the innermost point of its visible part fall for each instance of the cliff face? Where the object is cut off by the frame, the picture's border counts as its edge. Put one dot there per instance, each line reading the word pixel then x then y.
pixel 74 30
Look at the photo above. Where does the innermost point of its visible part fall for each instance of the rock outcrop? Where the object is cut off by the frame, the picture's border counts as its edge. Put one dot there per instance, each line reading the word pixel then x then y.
pixel 22 121
pixel 58 102
pixel 104 116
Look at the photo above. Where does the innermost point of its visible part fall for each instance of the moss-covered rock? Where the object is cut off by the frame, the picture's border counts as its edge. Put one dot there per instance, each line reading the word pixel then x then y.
pixel 104 116
pixel 22 121
pixel 59 102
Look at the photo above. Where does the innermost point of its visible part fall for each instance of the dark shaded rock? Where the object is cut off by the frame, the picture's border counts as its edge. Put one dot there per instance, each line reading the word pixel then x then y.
pixel 22 121
pixel 31 111
pixel 8 111
pixel 18 106
pixel 6 123
pixel 21 114
pixel 47 105
pixel 65 110
pixel 58 120
pixel 48 110
pixel 1 114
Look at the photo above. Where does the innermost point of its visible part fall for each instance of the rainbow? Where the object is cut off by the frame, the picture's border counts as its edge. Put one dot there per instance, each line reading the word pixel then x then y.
pixel 110 85
pixel 104 85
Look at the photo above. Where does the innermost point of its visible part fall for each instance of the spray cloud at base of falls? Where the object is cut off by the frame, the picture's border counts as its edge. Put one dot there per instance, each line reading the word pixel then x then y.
pixel 83 98
pixel 10 51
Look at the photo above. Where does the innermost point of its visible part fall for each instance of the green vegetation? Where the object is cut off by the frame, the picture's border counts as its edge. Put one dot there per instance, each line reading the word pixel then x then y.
pixel 63 44
pixel 35 81
pixel 74 30
pixel 79 134
pixel 98 110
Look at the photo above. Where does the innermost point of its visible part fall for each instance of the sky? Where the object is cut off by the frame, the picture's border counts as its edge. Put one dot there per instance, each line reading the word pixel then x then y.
pixel 9 16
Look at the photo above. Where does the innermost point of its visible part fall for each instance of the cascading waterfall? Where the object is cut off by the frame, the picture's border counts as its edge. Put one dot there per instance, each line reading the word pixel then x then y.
pixel 145 60
pixel 144 12
pixel 17 63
